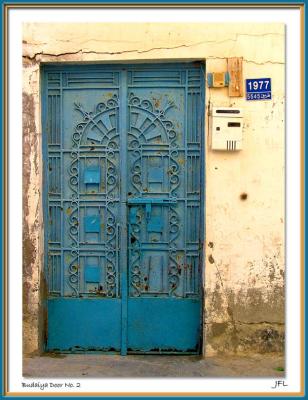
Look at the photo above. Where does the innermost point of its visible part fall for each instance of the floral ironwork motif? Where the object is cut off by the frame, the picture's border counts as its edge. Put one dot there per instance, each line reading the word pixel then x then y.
pixel 135 255
pixel 173 271
pixel 147 123
pixel 81 135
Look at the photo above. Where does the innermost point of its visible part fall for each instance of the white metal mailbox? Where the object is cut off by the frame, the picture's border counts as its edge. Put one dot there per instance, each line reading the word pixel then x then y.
pixel 226 128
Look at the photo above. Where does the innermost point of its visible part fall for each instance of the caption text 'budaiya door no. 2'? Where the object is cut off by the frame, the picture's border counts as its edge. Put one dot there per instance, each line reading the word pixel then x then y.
pixel 123 207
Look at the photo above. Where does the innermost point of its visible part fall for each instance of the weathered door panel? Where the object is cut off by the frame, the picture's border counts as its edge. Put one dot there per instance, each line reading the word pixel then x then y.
pixel 84 324
pixel 163 325
pixel 123 207
pixel 83 179
pixel 164 150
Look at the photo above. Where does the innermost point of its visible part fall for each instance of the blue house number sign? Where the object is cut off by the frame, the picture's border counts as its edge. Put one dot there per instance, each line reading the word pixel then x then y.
pixel 258 89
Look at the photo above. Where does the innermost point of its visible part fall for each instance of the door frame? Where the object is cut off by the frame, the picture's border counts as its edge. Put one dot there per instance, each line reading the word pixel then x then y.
pixel 48 67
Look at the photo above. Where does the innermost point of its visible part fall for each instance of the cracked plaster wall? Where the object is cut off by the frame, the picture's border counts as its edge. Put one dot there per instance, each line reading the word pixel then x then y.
pixel 244 206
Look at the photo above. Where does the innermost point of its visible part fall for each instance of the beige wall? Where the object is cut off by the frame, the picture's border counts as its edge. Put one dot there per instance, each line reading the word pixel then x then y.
pixel 244 244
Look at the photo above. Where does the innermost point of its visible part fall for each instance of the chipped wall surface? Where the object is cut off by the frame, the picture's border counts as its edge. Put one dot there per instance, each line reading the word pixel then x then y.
pixel 244 204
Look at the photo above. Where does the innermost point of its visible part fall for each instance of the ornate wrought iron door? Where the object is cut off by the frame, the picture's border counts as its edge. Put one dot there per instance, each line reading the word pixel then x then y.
pixel 123 207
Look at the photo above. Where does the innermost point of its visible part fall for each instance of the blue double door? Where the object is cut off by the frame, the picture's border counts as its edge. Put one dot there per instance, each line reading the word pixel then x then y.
pixel 123 207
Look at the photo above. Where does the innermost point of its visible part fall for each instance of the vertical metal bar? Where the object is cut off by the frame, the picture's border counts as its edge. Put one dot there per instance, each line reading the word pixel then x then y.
pixel 56 119
pixel 61 143
pixel 52 283
pixel 58 222
pixel 162 273
pixel 45 141
pixel 55 112
pixel 50 188
pixel 197 183
pixel 195 116
pixel 196 238
pixel 59 122
pixel 196 186
pixel 185 222
pixel 59 175
pixel 79 218
pixel 192 274
pixel 196 275
pixel 46 115
pixel 54 174
pixel 192 173
pixel 123 208
pixel 53 222
pixel 53 119
pixel 187 275
pixel 201 255
pixel 58 272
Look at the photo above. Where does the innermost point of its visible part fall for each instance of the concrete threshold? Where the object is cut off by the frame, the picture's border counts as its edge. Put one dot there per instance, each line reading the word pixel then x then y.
pixel 102 365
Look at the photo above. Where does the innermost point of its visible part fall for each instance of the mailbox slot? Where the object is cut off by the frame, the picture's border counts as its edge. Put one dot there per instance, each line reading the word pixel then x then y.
pixel 226 126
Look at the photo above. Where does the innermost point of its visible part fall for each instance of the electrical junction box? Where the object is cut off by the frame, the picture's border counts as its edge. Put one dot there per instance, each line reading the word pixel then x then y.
pixel 226 127
pixel 218 79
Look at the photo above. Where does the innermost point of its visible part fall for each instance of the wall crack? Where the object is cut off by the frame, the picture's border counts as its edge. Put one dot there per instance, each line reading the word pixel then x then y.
pixel 82 51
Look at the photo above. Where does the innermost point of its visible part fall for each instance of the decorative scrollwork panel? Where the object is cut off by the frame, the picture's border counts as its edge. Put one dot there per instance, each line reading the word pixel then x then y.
pixel 93 203
pixel 157 162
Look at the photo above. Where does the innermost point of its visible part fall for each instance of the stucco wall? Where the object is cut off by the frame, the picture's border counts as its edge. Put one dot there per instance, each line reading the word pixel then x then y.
pixel 244 205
